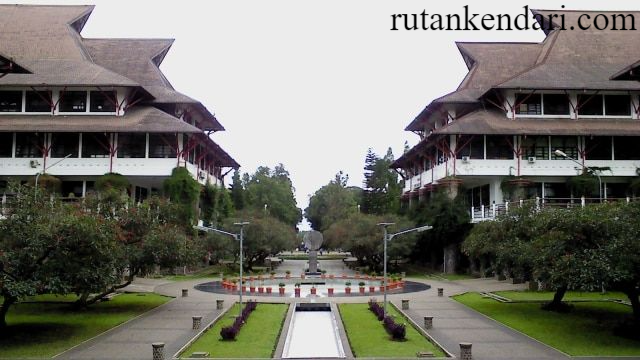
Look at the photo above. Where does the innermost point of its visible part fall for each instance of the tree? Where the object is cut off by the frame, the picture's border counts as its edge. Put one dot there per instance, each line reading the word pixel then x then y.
pixel 331 203
pixel 264 236
pixel 382 189
pixel 237 191
pixel 216 204
pixel 275 190
pixel 450 220
pixel 361 235
pixel 28 240
pixel 181 188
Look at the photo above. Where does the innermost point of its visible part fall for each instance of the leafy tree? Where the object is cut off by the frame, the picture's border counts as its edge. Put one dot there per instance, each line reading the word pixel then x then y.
pixel 382 189
pixel 28 241
pixel 450 220
pixel 361 235
pixel 183 189
pixel 264 236
pixel 274 189
pixel 331 203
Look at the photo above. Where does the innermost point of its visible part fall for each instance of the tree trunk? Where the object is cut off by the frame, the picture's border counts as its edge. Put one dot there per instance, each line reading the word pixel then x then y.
pixel 451 258
pixel 556 304
pixel 6 304
pixel 632 294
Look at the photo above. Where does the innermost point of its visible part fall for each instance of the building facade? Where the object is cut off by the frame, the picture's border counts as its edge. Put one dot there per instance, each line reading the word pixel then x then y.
pixel 78 108
pixel 576 92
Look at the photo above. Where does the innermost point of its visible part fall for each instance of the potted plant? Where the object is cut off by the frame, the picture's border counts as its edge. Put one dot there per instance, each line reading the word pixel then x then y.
pixel 288 274
pixel 372 288
pixel 330 291
pixel 361 287
pixel 281 288
pixel 344 276
pixel 357 274
pixel 244 286
pixel 260 289
pixel 234 284
pixel 272 275
pixel 331 276
pixel 323 274
pixel 297 290
pixel 268 288
pixel 302 276
pixel 347 289
pixel 381 285
pixel 313 289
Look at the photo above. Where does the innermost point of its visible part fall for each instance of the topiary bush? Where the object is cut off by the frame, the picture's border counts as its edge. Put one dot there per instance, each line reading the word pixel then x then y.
pixel 230 332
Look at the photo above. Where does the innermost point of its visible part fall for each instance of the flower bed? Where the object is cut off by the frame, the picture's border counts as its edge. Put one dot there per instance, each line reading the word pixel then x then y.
pixel 397 331
pixel 230 332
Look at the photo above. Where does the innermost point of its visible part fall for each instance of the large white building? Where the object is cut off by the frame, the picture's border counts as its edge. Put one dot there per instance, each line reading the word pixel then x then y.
pixel 576 92
pixel 104 103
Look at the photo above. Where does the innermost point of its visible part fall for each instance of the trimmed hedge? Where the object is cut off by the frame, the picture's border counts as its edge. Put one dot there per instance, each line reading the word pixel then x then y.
pixel 397 331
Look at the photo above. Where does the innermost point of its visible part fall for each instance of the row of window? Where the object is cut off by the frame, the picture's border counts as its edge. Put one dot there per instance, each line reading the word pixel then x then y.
pixel 558 104
pixel 496 147
pixel 69 101
pixel 94 145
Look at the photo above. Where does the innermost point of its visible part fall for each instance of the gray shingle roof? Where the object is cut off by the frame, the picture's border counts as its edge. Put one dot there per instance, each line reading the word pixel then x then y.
pixel 139 119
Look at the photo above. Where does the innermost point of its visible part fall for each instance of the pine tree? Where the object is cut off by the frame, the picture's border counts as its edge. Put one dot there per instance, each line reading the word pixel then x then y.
pixel 237 191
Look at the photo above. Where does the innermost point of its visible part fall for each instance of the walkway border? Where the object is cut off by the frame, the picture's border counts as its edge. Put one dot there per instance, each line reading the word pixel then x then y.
pixel 424 333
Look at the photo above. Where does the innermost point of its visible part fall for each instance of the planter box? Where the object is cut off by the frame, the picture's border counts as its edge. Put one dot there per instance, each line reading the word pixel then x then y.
pixel 323 276
pixel 361 290
pixel 260 290
pixel 347 291
pixel 330 290
pixel 372 289
pixel 281 291
pixel 288 276
pixel 268 290
pixel 244 289
pixel 381 288
pixel 301 276
pixel 252 289
pixel 313 291
pixel 297 292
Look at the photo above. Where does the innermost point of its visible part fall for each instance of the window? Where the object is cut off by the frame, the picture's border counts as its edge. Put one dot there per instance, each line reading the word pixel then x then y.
pixel 132 145
pixel 590 104
pixel 10 101
pixel 38 101
pixel 617 105
pixel 626 148
pixel 29 145
pixel 498 147
pixel 566 144
pixel 528 104
pixel 471 146
pixel 63 144
pixel 95 145
pixel 71 189
pixel 556 104
pixel 598 148
pixel 103 101
pixel 537 146
pixel 6 144
pixel 73 101
pixel 162 145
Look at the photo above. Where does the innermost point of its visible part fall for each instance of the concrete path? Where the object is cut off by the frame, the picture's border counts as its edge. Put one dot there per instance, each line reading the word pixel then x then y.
pixel 454 323
pixel 170 323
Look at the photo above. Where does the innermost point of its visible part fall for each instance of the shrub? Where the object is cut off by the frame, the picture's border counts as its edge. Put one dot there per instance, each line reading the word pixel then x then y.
pixel 361 284
pixel 112 181
pixel 230 332
pixel 397 331
pixel 376 309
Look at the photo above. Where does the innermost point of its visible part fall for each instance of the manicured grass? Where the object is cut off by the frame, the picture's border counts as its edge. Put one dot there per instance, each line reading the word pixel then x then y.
pixel 585 331
pixel 257 338
pixel 368 338
pixel 39 330
pixel 569 296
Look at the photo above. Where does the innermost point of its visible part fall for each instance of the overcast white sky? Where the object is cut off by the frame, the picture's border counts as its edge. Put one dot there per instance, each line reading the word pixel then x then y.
pixel 310 84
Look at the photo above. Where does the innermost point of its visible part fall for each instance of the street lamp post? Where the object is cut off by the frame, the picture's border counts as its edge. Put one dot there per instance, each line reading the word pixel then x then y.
pixel 386 238
pixel 562 153
pixel 238 237
pixel 45 170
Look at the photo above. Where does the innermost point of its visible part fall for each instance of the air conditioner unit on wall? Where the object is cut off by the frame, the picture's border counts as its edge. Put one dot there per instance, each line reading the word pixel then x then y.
pixel 34 163
pixel 465 159
pixel 532 159
pixel 202 175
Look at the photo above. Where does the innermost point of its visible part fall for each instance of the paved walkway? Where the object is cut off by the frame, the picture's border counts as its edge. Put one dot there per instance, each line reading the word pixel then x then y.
pixel 453 322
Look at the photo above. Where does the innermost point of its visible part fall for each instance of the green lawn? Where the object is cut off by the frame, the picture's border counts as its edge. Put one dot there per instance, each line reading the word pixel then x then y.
pixel 368 338
pixel 585 331
pixel 569 296
pixel 257 338
pixel 422 272
pixel 41 330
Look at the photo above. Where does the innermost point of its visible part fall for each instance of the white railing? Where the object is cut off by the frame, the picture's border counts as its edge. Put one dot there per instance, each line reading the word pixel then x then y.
pixel 490 212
